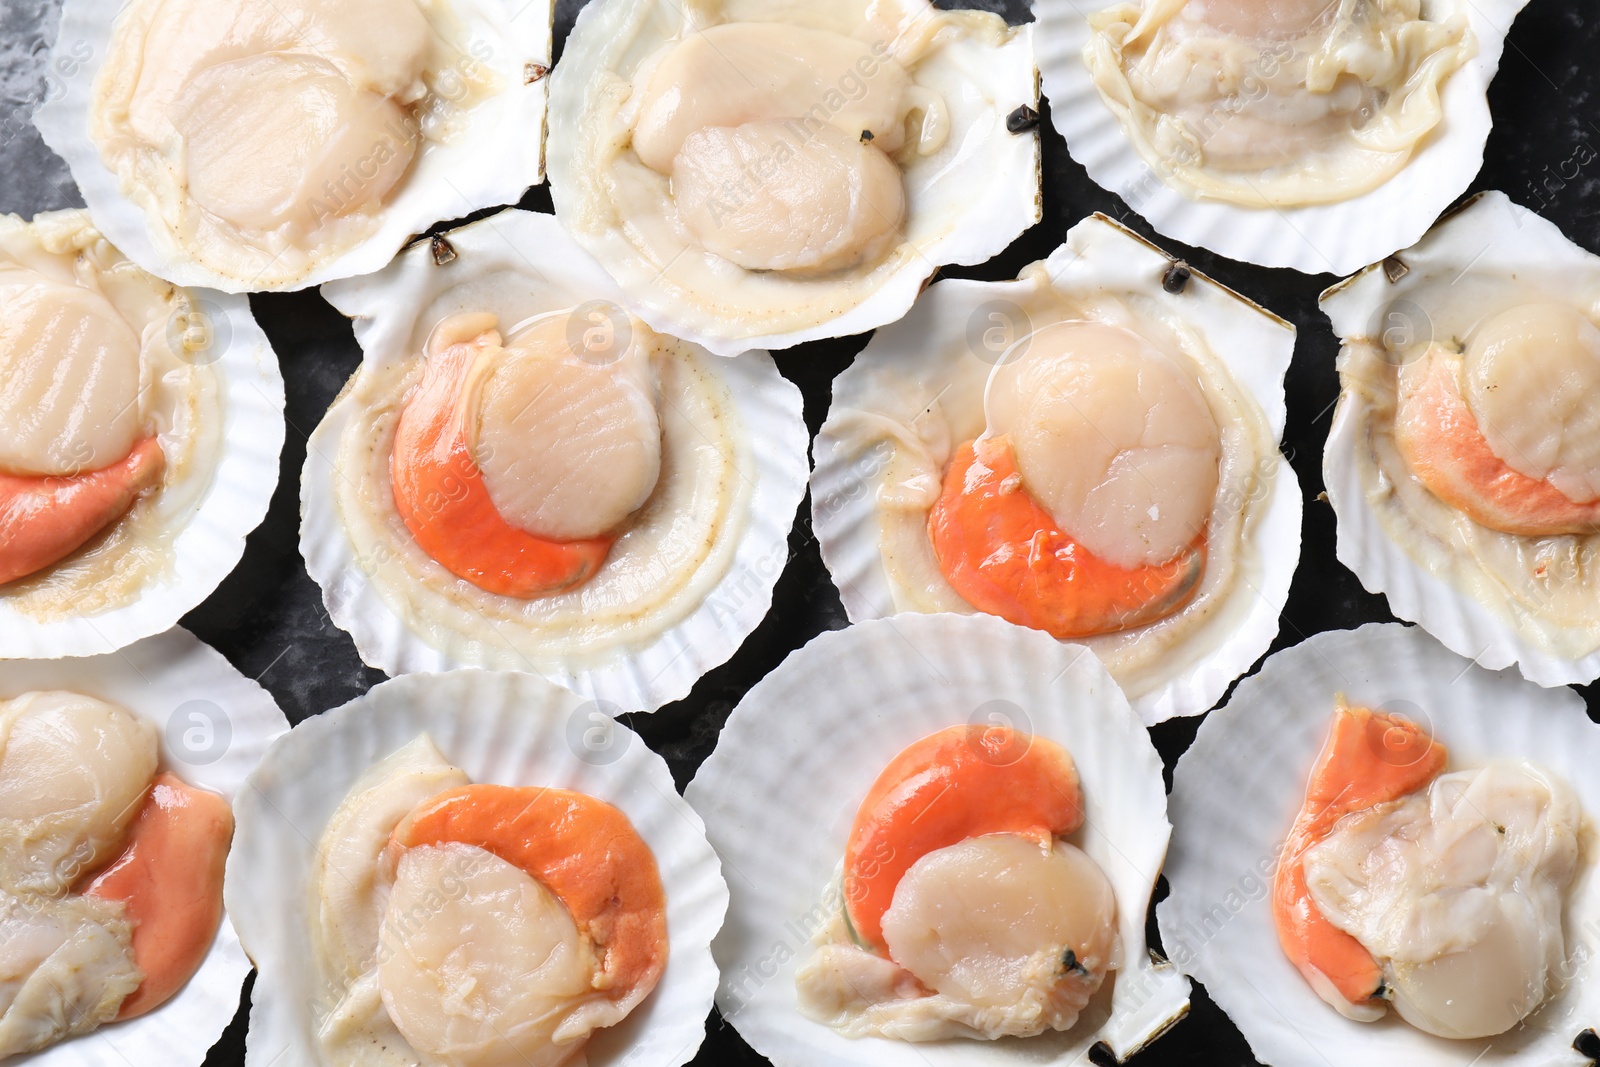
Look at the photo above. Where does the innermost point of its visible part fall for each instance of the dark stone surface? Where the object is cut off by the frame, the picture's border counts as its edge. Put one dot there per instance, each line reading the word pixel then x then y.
pixel 268 618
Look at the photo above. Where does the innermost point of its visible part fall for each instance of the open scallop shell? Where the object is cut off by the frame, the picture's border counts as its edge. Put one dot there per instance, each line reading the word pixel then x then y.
pixel 212 539
pixel 800 752
pixel 1332 238
pixel 649 672
pixel 1238 788
pixel 215 725
pixel 1489 239
pixel 495 156
pixel 505 728
pixel 922 354
pixel 966 202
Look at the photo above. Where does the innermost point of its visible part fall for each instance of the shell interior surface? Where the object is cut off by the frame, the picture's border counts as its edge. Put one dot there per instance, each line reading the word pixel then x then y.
pixel 1317 136
pixel 203 723
pixel 758 173
pixel 1498 308
pixel 252 145
pixel 504 729
pixel 142 429
pixel 961 366
pixel 702 459
pixel 811 739
pixel 1235 794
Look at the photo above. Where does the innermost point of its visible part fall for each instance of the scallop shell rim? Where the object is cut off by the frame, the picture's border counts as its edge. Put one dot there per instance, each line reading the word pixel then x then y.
pixel 155 678
pixel 800 750
pixel 505 727
pixel 466 185
pixel 983 235
pixel 643 679
pixel 845 519
pixel 1333 238
pixel 1238 788
pixel 212 540
pixel 1415 594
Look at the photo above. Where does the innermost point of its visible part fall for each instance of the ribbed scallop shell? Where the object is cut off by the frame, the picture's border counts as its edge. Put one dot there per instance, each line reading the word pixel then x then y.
pixel 1325 238
pixel 215 726
pixel 207 549
pixel 798 755
pixel 500 727
pixel 933 340
pixel 386 306
pixel 1238 788
pixel 966 203
pixel 1489 235
pixel 492 159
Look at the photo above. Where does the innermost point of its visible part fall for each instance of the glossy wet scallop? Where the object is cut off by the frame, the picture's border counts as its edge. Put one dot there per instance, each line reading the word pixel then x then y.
pixel 1409 850
pixel 476 889
pixel 1320 136
pixel 1459 889
pixel 1081 451
pixel 954 850
pixel 525 475
pixel 246 145
pixel 1112 437
pixel 114 833
pixel 784 173
pixel 428 890
pixel 139 433
pixel 1531 371
pixel 73 774
pixel 988 921
pixel 548 421
pixel 1462 458
pixel 71 394
pixel 521 965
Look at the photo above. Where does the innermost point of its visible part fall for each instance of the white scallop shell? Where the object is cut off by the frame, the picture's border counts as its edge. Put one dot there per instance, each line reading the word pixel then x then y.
pixel 499 727
pixel 496 156
pixel 800 752
pixel 930 342
pixel 988 179
pixel 386 306
pixel 1238 789
pixel 1490 236
pixel 215 725
pixel 210 545
pixel 1332 238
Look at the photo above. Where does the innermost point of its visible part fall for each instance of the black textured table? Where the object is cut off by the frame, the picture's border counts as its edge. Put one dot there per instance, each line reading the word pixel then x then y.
pixel 268 617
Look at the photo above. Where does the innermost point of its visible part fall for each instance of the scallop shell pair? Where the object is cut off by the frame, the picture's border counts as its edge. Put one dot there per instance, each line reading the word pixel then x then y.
pixel 943 344
pixel 800 752
pixel 1465 268
pixel 215 725
pixel 1238 788
pixel 210 537
pixel 495 152
pixel 505 728
pixel 967 201
pixel 639 672
pixel 1335 238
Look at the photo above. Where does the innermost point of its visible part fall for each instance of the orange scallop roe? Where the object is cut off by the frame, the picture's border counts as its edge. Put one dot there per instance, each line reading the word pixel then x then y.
pixel 1005 555
pixel 45 519
pixel 169 881
pixel 1440 441
pixel 961 782
pixel 583 850
pixel 1369 758
pixel 440 493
